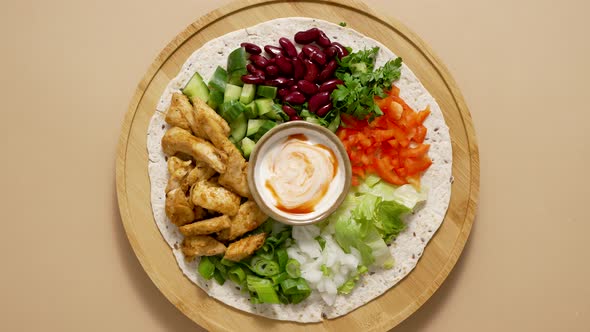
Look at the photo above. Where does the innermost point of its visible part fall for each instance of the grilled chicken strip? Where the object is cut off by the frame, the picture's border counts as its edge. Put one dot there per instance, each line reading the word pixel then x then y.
pixel 179 208
pixel 179 140
pixel 178 169
pixel 245 247
pixel 212 196
pixel 201 172
pixel 248 218
pixel 202 109
pixel 201 245
pixel 234 177
pixel 207 226
pixel 174 114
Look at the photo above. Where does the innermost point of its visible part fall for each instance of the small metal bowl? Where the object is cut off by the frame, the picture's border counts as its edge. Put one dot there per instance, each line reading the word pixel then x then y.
pixel 275 135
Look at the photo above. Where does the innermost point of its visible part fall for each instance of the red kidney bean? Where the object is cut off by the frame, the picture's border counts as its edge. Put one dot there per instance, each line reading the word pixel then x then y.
pixel 307 87
pixel 291 112
pixel 298 68
pixel 330 85
pixel 318 100
pixel 291 82
pixel 324 110
pixel 309 49
pixel 294 87
pixel 319 57
pixel 295 98
pixel 251 48
pixel 301 56
pixel 273 50
pixel 330 51
pixel 288 47
pixel 307 36
pixel 284 64
pixel 254 71
pixel 279 81
pixel 272 70
pixel 315 54
pixel 259 61
pixel 295 118
pixel 328 71
pixel 283 92
pixel 323 40
pixel 252 79
pixel 311 71
pixel 342 51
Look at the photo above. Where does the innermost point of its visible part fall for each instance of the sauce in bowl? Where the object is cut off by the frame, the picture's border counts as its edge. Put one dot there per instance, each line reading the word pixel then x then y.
pixel 298 173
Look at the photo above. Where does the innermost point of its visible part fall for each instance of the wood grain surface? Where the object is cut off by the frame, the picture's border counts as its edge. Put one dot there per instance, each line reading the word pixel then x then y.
pixel 133 187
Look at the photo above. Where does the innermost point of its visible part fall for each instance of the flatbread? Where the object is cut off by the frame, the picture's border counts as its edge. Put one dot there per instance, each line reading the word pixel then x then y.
pixel 408 246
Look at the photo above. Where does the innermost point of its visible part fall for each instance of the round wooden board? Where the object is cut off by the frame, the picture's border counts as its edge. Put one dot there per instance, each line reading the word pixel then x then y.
pixel 133 186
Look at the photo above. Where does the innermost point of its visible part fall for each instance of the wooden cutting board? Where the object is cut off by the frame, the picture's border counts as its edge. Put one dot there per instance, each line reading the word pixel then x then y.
pixel 133 186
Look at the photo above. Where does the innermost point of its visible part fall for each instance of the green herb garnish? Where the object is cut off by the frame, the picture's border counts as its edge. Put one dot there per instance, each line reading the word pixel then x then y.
pixel 362 83
pixel 342 24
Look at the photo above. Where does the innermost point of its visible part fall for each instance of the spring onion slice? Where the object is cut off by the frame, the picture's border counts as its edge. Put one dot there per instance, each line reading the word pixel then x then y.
pixel 219 277
pixel 206 268
pixel 277 279
pixel 237 275
pixel 266 267
pixel 293 268
pixel 263 288
pixel 282 258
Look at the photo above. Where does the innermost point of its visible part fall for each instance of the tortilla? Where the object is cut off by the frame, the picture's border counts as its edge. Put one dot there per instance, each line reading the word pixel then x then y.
pixel 408 246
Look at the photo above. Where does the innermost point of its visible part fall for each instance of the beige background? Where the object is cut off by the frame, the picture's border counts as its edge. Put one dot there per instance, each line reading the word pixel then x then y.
pixel 69 69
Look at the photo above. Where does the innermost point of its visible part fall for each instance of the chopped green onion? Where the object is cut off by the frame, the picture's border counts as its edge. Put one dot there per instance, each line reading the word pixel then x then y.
pixel 293 268
pixel 263 288
pixel 227 262
pixel 206 268
pixel 277 279
pixel 219 277
pixel 282 258
pixel 218 266
pixel 295 286
pixel 237 275
pixel 266 267
pixel 325 270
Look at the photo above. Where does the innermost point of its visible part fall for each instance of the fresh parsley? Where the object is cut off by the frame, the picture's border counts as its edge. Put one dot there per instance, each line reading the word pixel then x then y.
pixel 362 83
pixel 342 24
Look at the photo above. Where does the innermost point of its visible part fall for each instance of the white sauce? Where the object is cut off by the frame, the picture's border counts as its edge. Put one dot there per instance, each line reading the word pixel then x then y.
pixel 300 173
pixel 299 179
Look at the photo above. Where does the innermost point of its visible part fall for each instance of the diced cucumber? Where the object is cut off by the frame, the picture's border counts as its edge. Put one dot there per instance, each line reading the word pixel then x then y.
pixel 236 66
pixel 333 126
pixel 248 93
pixel 313 120
pixel 237 59
pixel 232 92
pixel 266 91
pixel 258 127
pixel 217 88
pixel 230 110
pixel 218 80
pixel 235 77
pixel 264 105
pixel 247 146
pixel 215 99
pixel 238 127
pixel 251 110
pixel 276 113
pixel 253 126
pixel 196 88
